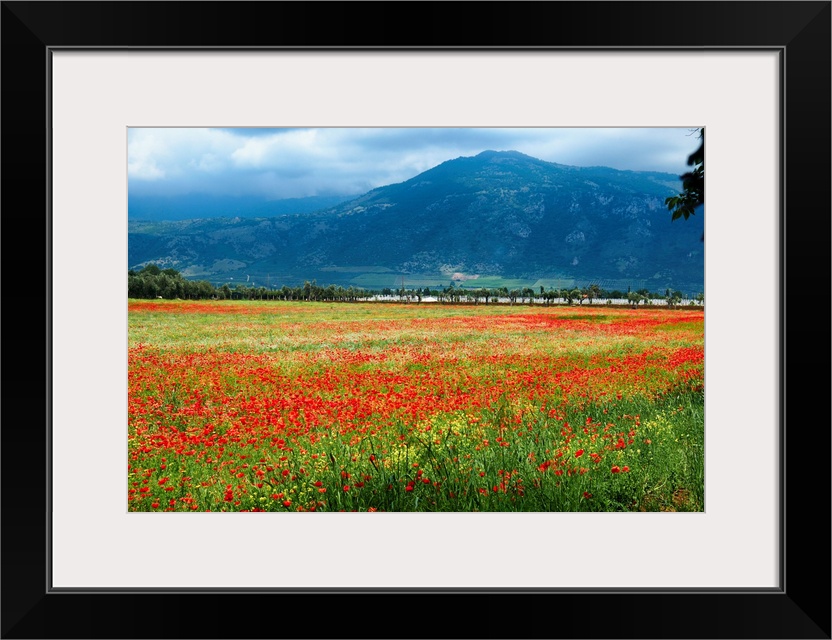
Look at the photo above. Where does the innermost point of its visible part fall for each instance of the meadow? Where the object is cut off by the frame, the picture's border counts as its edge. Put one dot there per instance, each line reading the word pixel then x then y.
pixel 303 406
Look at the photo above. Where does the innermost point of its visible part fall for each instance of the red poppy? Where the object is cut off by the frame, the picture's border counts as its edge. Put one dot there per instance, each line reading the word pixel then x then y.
pixel 615 469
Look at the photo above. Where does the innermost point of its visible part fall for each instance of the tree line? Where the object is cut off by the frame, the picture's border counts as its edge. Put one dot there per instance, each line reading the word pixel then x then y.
pixel 153 282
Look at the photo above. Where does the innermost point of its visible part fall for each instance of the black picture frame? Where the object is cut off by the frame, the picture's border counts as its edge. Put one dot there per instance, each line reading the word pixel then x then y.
pixel 800 608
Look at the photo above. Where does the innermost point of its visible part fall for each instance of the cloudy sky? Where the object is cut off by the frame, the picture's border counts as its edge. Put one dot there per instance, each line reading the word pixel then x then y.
pixel 294 163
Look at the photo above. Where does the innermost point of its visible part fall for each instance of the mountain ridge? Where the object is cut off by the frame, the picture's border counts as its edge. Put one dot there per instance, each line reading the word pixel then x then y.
pixel 499 214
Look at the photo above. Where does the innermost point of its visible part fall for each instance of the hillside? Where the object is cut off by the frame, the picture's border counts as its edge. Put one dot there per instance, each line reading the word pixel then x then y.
pixel 498 217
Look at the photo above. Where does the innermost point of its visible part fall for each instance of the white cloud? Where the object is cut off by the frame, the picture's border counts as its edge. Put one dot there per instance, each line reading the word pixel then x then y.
pixel 281 163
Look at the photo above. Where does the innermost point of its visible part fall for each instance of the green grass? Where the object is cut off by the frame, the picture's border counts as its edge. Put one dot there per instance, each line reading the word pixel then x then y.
pixel 394 407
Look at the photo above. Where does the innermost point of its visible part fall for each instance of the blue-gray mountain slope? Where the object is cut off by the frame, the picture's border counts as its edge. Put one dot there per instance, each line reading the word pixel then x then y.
pixel 500 214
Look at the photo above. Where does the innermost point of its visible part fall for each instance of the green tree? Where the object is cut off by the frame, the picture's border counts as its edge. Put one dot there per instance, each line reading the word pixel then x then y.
pixel 693 185
pixel 134 285
pixel 150 288
pixel 205 289
pixel 594 292
pixel 167 286
pixel 674 298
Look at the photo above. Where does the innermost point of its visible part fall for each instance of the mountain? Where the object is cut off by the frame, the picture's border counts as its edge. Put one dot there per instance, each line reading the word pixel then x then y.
pixel 493 219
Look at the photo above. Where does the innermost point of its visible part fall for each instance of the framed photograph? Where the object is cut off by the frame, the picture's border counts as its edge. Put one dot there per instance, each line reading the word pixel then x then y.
pixel 79 77
pixel 361 350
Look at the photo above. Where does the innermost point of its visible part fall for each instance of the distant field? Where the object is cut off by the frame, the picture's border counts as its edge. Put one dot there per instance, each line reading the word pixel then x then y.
pixel 356 269
pixel 494 282
pixel 272 406
pixel 554 283
pixel 379 279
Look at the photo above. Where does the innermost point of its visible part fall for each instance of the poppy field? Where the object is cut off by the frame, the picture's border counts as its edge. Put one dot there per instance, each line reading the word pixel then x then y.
pixel 302 406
